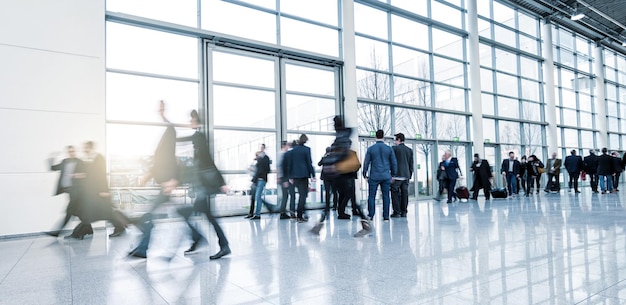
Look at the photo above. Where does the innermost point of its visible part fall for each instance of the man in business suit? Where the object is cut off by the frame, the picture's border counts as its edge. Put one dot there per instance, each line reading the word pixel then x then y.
pixel 554 172
pixel 65 184
pixel 482 177
pixel 605 171
pixel 591 169
pixel 379 166
pixel 299 167
pixel 510 171
pixel 400 185
pixel 617 169
pixel 573 165
pixel 450 165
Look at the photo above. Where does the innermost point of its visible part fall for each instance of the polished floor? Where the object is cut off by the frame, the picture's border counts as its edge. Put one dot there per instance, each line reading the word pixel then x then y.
pixel 543 249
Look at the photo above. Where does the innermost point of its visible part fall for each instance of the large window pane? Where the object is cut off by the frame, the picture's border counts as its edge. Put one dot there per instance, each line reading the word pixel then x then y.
pixel 372 54
pixel 571 138
pixel 446 14
pixel 310 80
pixel 489 129
pixel 324 11
pixel 586 119
pixel 409 91
pixel 531 135
pixel 142 50
pixel 370 21
pixel 586 139
pixel 531 111
pixel 506 84
pixel 243 107
pixel 488 104
pixel 530 67
pixel 530 90
pixel 449 98
pixel 568 98
pixel 528 44
pixel 135 98
pixel 409 32
pixel 450 126
pixel 412 122
pixel 245 70
pixel 503 14
pixel 505 36
pixel 486 58
pixel 182 12
pixel 449 71
pixel 570 117
pixel 448 44
pixel 235 150
pixel 508 107
pixel 486 80
pixel 373 85
pixel 373 117
pixel 318 39
pixel 411 63
pixel 506 61
pixel 527 24
pixel 310 114
pixel 233 19
pixel 484 28
pixel 509 132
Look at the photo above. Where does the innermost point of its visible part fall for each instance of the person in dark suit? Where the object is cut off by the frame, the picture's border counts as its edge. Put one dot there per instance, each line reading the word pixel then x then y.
pixel 379 166
pixel 482 177
pixel 573 165
pixel 617 170
pixel 510 171
pixel 67 167
pixel 330 189
pixel 95 197
pixel 287 190
pixel 400 184
pixel 590 165
pixel 450 165
pixel 210 183
pixel 534 168
pixel 554 172
pixel 300 169
pixel 605 171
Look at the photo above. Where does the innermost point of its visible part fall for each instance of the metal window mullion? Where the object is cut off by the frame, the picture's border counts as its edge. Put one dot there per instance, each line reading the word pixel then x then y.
pixel 152 75
pixel 280 81
pixel 208 93
pixel 243 86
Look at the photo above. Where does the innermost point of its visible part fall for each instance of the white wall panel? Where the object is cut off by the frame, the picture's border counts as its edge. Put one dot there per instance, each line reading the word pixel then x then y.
pixel 52 93
pixel 58 25
pixel 49 81
pixel 36 134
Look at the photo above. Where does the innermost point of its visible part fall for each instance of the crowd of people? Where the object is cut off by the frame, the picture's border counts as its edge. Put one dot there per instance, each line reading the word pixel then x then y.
pixel 389 168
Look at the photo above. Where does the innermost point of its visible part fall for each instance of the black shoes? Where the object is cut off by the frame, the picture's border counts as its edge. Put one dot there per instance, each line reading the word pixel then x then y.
pixel 284 216
pixel 249 216
pixel 255 217
pixel 223 252
pixel 449 201
pixel 395 215
pixel 343 216
pixel 403 215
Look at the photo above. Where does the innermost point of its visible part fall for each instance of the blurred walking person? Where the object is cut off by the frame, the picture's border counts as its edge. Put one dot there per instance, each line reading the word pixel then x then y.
pixel 379 166
pixel 299 168
pixel 66 184
pixel 210 183
pixel 482 177
pixel 590 165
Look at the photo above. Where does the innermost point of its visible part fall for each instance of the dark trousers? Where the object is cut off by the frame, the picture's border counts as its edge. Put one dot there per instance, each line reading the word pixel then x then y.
pixel 573 180
pixel 556 178
pixel 593 181
pixel 532 181
pixel 616 180
pixel 202 204
pixel 486 191
pixel 346 188
pixel 302 185
pixel 400 196
pixel 451 185
pixel 330 189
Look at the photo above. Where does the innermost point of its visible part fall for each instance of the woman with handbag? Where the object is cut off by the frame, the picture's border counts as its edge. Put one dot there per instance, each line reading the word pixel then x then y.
pixel 210 183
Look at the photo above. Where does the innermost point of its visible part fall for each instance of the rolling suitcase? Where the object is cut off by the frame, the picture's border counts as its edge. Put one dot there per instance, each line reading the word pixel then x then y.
pixel 462 192
pixel 499 193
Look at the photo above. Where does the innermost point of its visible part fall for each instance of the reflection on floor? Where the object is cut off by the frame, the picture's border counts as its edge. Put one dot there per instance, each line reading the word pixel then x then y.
pixel 543 249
